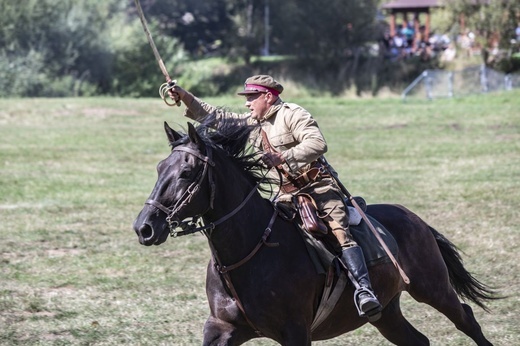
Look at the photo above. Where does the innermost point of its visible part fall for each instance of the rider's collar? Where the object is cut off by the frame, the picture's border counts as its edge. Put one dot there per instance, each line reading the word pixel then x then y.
pixel 275 107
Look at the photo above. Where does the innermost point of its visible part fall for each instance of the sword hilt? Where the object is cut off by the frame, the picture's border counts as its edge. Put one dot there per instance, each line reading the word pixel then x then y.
pixel 163 92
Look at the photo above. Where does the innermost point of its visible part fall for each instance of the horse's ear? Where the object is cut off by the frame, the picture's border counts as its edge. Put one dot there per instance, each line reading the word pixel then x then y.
pixel 193 135
pixel 173 136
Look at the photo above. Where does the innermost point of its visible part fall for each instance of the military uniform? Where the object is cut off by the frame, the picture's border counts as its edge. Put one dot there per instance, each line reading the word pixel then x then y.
pixel 293 132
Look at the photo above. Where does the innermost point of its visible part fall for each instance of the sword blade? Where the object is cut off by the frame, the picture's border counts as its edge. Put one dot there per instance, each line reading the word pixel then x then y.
pixel 152 43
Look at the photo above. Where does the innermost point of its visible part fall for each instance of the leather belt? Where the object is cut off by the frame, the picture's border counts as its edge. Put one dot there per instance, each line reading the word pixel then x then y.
pixel 315 173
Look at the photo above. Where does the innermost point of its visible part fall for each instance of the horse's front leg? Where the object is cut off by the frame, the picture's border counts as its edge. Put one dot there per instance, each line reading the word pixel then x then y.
pixel 222 333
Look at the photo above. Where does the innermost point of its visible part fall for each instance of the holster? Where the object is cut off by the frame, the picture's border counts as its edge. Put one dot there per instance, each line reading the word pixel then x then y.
pixel 307 209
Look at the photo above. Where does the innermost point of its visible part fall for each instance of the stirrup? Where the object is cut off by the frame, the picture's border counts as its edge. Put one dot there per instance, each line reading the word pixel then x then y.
pixel 373 314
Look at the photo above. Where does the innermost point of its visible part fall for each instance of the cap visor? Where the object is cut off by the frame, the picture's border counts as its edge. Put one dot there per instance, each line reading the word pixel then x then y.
pixel 249 92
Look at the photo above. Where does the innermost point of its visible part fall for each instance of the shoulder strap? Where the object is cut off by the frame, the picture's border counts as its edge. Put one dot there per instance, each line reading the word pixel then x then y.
pixel 265 142
pixel 267 147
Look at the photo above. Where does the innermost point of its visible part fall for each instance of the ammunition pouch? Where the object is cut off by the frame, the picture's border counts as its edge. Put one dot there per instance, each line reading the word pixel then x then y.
pixel 315 173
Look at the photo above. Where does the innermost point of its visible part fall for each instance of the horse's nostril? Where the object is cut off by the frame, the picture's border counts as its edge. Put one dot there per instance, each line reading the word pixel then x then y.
pixel 145 232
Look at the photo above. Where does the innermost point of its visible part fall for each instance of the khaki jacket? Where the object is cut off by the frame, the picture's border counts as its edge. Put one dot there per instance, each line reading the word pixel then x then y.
pixel 291 130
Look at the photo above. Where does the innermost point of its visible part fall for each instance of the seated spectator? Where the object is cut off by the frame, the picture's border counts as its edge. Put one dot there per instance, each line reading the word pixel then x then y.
pixel 449 53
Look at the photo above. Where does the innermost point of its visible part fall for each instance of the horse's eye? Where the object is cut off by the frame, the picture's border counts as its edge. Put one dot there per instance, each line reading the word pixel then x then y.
pixel 185 174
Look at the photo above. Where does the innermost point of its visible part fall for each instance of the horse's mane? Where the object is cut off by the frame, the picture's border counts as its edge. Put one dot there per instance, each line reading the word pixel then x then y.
pixel 230 137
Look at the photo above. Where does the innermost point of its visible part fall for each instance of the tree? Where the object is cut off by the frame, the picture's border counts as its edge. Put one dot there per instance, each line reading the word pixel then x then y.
pixel 55 41
pixel 135 70
pixel 75 47
pixel 494 21
pixel 491 19
pixel 314 29
pixel 199 24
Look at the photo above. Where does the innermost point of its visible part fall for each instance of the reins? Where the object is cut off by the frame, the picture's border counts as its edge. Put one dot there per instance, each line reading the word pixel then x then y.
pixel 225 270
pixel 189 227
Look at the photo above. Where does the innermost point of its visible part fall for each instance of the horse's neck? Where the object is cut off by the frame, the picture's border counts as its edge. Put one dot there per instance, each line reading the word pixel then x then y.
pixel 238 235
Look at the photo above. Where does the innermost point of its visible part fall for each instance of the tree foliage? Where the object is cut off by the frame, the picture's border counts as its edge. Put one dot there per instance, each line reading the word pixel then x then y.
pixel 491 18
pixel 494 23
pixel 74 47
pixel 199 24
pixel 78 47
pixel 323 30
pixel 48 42
pixel 84 47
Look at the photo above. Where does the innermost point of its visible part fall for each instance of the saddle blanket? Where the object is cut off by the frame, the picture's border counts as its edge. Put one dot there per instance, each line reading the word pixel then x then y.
pixel 372 249
pixel 374 253
pixel 354 216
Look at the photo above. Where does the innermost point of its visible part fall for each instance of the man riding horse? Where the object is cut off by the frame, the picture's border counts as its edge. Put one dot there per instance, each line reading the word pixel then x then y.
pixel 291 141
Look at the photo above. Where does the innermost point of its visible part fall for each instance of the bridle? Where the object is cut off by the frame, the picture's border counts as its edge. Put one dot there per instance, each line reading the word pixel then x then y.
pixel 172 214
pixel 189 227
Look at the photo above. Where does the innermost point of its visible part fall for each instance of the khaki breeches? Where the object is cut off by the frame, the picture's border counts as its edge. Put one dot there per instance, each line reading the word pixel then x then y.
pixel 329 201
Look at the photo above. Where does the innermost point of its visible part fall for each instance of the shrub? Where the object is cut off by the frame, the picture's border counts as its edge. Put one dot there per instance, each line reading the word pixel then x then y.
pixel 135 71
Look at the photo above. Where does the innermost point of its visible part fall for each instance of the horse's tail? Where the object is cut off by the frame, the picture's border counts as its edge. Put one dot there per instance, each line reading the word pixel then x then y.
pixel 464 283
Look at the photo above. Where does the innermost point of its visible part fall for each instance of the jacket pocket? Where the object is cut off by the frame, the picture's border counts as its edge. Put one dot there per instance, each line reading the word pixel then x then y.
pixel 285 140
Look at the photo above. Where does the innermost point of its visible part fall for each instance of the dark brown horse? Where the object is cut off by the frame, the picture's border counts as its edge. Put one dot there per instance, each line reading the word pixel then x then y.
pixel 261 281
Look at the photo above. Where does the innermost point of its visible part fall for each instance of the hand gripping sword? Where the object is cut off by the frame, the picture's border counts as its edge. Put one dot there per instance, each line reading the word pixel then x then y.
pixel 367 220
pixel 164 88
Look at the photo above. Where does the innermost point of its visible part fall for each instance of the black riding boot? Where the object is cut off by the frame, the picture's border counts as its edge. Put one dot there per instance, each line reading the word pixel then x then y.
pixel 364 297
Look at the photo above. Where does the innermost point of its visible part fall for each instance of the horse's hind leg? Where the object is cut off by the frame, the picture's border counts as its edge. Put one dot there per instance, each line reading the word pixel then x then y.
pixel 462 316
pixel 394 326
pixel 440 295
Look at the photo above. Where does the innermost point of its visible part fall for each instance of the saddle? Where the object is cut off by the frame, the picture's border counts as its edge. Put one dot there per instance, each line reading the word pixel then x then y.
pixel 323 248
pixel 322 245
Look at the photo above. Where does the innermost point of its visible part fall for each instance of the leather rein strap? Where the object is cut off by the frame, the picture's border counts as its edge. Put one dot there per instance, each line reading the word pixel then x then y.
pixel 224 270
pixel 186 198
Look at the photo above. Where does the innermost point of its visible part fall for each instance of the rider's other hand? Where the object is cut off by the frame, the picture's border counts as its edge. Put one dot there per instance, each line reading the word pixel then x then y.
pixel 272 159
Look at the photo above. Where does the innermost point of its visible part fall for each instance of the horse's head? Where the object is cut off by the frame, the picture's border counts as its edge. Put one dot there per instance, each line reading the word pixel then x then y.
pixel 181 190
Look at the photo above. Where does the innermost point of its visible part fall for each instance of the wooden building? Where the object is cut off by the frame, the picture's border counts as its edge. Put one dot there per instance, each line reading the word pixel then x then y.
pixel 404 8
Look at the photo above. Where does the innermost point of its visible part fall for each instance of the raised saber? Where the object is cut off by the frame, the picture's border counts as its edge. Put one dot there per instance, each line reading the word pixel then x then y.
pixel 367 220
pixel 163 90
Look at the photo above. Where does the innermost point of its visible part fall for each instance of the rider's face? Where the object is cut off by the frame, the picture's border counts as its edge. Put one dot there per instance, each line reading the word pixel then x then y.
pixel 258 104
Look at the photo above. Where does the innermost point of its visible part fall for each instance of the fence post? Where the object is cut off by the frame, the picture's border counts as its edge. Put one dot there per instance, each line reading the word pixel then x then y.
pixel 450 84
pixel 428 85
pixel 489 80
pixel 508 82
pixel 483 78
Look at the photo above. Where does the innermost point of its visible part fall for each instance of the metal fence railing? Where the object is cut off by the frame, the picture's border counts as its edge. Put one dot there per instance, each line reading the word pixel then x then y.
pixel 479 79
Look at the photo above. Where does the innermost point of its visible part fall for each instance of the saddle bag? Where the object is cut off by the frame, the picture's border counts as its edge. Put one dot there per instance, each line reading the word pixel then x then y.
pixel 307 209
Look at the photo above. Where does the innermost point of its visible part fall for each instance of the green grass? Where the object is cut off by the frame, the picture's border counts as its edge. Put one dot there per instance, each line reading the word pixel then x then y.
pixel 74 173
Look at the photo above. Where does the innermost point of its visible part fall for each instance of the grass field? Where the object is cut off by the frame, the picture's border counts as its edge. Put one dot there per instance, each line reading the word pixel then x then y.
pixel 74 173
